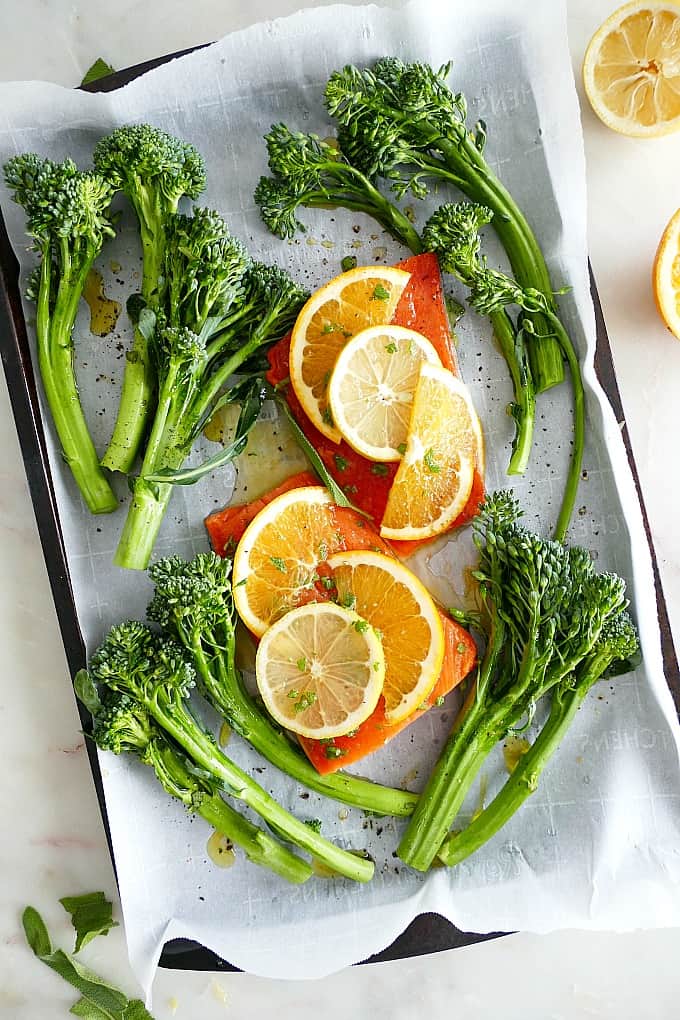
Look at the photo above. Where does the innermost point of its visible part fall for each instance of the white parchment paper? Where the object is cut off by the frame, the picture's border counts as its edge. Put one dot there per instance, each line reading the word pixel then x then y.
pixel 598 844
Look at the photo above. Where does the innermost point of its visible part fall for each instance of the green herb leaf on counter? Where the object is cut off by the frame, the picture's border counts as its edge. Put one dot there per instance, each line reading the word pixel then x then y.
pixel 100 69
pixel 98 999
pixel 91 915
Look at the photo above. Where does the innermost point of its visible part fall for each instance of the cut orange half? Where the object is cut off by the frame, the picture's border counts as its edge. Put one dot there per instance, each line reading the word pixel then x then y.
pixel 276 558
pixel 372 385
pixel 631 70
pixel 434 479
pixel 365 296
pixel 320 670
pixel 391 598
pixel 666 276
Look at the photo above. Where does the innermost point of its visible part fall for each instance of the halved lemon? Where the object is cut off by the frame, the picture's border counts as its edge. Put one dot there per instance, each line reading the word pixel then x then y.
pixel 666 275
pixel 365 296
pixel 391 598
pixel 372 385
pixel 320 670
pixel 434 479
pixel 631 70
pixel 275 561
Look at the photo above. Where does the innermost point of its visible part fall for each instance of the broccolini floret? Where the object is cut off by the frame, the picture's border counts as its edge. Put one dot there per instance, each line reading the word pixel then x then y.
pixel 548 611
pixel 452 232
pixel 224 309
pixel 154 170
pixel 69 219
pixel 193 604
pixel 402 122
pixel 122 725
pixel 153 671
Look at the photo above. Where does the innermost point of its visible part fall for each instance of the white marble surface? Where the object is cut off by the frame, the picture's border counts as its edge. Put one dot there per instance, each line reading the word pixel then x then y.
pixel 53 842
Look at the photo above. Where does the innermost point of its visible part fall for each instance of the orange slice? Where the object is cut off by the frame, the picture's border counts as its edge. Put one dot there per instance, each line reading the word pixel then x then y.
pixel 666 276
pixel 372 385
pixel 434 479
pixel 365 296
pixel 392 599
pixel 631 70
pixel 278 554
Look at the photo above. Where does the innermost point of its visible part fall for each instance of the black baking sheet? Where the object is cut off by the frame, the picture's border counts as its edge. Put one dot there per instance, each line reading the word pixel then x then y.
pixel 428 933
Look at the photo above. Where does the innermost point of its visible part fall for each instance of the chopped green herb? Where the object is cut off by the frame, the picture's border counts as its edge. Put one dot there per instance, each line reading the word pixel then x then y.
pixel 349 262
pixel 391 347
pixel 348 600
pixel 439 701
pixel 381 470
pixel 307 699
pixel 423 706
pixel 460 647
pixel 327 417
pixel 328 583
pixel 380 293
pixel 411 348
pixel 278 562
pixel 326 378
pixel 341 463
pixel 243 580
pixel 361 626
pixel 376 667
pixel 378 633
pixel 331 751
pixel 293 695
pixel 430 462
pixel 323 552
pixel 352 733
pixel 350 489
pixel 314 823
pixel 402 448
pixel 302 664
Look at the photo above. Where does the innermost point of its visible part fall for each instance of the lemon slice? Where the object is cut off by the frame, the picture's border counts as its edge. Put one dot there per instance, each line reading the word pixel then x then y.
pixel 387 594
pixel 631 70
pixel 276 559
pixel 365 296
pixel 372 385
pixel 434 479
pixel 666 276
pixel 320 670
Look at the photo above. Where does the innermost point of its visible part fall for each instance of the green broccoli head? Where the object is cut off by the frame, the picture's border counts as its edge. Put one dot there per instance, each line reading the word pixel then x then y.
pixel 122 725
pixel 134 660
pixel 300 159
pixel 191 595
pixel 61 202
pixel 204 268
pixel 278 202
pixel 620 637
pixel 275 298
pixel 141 156
pixel 181 347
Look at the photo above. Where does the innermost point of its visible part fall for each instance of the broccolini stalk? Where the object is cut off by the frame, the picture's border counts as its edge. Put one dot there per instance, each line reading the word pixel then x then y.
pixel 68 217
pixel 313 173
pixel 152 670
pixel 617 644
pixel 154 170
pixel 223 309
pixel 403 122
pixel 547 609
pixel 193 604
pixel 124 725
pixel 452 232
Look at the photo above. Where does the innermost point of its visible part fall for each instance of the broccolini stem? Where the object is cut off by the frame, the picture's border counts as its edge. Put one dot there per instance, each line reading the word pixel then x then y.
pixel 579 412
pixel 259 846
pixel 384 212
pixel 226 693
pixel 523 780
pixel 137 393
pixel 523 409
pixel 470 742
pixel 142 524
pixel 519 241
pixel 55 357
pixel 237 783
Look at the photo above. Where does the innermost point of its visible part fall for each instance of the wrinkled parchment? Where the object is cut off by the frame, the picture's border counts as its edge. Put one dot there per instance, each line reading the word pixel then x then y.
pixel 598 844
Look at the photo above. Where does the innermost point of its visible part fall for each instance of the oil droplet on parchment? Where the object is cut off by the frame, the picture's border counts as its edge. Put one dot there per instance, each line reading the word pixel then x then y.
pixel 104 311
pixel 221 851
pixel 225 735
